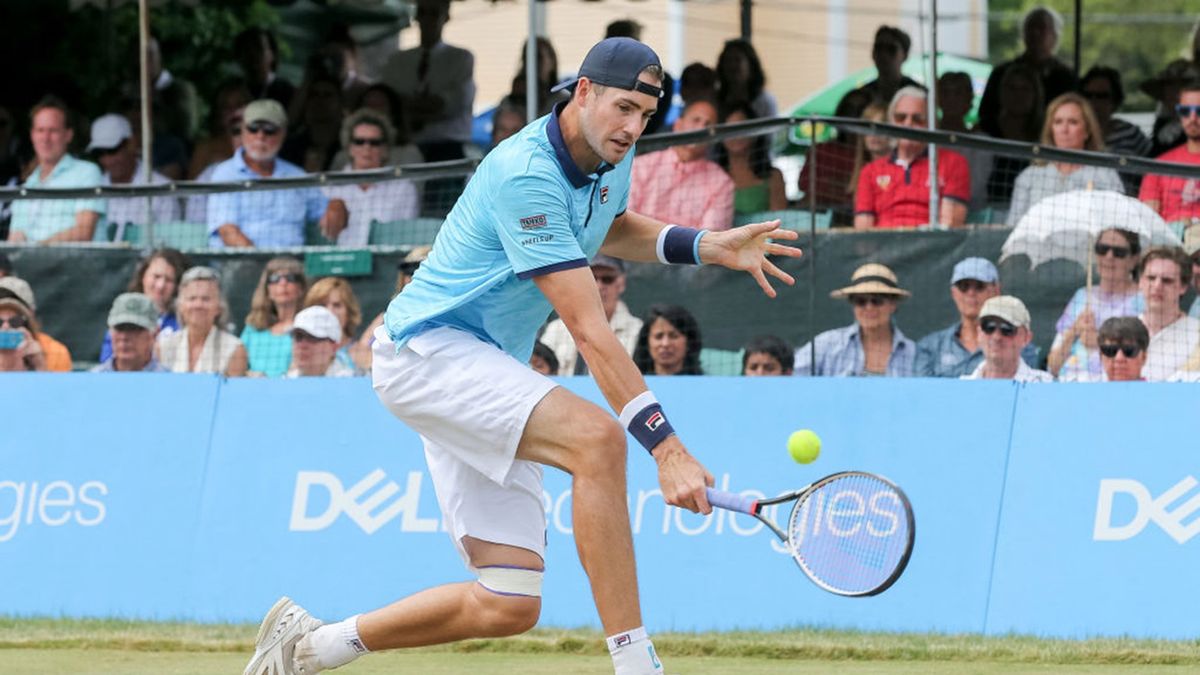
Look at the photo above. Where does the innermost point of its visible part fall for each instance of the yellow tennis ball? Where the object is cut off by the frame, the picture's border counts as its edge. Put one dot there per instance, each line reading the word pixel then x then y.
pixel 804 446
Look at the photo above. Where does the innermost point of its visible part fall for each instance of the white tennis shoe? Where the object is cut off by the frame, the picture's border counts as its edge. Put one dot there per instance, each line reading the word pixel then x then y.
pixel 275 645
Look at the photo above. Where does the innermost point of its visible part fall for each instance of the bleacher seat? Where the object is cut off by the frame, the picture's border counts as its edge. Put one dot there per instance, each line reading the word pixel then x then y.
pixel 721 361
pixel 178 235
pixel 409 232
pixel 797 220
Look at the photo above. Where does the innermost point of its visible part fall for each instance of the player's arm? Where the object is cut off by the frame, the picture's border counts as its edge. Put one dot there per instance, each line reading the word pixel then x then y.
pixel 644 239
pixel 574 296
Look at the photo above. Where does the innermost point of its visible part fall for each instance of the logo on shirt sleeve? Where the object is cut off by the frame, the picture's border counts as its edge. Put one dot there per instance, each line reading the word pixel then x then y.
pixel 533 222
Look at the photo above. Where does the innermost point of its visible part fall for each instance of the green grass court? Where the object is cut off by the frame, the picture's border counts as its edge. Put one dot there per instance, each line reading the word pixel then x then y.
pixel 95 647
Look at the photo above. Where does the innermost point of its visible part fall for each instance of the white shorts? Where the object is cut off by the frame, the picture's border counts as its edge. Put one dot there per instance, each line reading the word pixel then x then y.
pixel 470 402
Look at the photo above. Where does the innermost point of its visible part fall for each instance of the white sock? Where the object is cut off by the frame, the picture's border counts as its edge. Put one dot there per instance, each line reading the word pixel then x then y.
pixel 330 646
pixel 633 653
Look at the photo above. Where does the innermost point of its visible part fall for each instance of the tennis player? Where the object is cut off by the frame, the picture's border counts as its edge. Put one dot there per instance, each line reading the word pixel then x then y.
pixel 451 362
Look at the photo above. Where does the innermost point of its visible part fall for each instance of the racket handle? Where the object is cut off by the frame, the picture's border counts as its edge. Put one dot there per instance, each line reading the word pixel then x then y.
pixel 731 501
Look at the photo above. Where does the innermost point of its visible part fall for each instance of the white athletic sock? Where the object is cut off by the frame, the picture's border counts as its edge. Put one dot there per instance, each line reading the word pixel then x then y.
pixel 330 646
pixel 633 653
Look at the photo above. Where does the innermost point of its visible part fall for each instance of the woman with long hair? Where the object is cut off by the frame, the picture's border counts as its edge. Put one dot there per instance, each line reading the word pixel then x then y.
pixel 669 342
pixel 268 331
pixel 157 276
pixel 758 186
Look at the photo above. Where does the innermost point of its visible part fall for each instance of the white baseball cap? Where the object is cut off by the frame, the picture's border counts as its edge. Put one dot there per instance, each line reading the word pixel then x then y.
pixel 109 131
pixel 318 322
pixel 1008 308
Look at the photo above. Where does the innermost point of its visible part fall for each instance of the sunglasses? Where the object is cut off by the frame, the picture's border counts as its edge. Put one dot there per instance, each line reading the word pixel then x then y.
pixel 989 326
pixel 15 322
pixel 1186 111
pixel 872 300
pixel 1119 252
pixel 904 117
pixel 969 285
pixel 266 128
pixel 290 277
pixel 373 142
pixel 1129 351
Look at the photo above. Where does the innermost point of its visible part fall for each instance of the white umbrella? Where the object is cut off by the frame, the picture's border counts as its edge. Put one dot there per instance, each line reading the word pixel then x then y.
pixel 1065 226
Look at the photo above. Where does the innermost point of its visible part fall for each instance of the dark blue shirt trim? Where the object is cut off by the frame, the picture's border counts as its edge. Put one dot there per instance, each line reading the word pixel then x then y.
pixel 572 171
pixel 555 267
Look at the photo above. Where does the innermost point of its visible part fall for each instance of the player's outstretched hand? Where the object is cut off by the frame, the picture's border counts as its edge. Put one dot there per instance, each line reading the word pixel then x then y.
pixel 746 248
pixel 681 477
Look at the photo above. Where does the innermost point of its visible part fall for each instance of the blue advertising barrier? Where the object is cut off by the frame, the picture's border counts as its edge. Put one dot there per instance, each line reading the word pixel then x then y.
pixel 194 498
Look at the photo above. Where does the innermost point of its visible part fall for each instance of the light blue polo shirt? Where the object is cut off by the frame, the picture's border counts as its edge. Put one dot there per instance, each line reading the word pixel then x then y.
pixel 43 218
pixel 527 211
pixel 270 218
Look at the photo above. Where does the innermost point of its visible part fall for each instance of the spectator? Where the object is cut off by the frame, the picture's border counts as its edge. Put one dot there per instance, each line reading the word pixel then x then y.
pixel 894 191
pixel 157 276
pixel 669 342
pixel 680 184
pixel 6 267
pixel 436 84
pixel 697 82
pixel 868 148
pixel 116 150
pixel 1101 86
pixel 1040 29
pixel 1191 246
pixel 173 102
pixel 1163 277
pixel 757 186
pixel 547 78
pixel 507 120
pixel 871 346
pixel 1123 341
pixel 224 130
pixel 49 354
pixel 610 280
pixel 1177 199
pixel 889 52
pixel 133 324
pixel 957 350
pixel 20 349
pixel 1165 89
pixel 314 145
pixel 342 51
pixel 835 160
pixel 1004 333
pixel 633 30
pixel 381 99
pixel 767 355
pixel 257 54
pixel 10 152
pixel 543 360
pixel 740 79
pixel 1022 105
pixel 267 219
pixel 336 295
pixel 1070 125
pixel 268 331
pixel 1073 355
pixel 369 136
pixel 46 220
pixel 315 336
pixel 955 96
pixel 202 345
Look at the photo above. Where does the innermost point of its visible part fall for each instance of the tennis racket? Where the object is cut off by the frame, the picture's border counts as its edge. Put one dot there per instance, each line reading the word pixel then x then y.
pixel 851 533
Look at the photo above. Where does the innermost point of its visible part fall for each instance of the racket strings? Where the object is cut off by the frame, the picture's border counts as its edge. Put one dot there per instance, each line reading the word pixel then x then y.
pixel 851 533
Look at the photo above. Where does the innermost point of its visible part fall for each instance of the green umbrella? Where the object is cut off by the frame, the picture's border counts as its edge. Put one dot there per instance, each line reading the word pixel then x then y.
pixel 824 101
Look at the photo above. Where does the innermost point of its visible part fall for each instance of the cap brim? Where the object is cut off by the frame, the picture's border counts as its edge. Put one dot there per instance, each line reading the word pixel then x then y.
pixel 569 84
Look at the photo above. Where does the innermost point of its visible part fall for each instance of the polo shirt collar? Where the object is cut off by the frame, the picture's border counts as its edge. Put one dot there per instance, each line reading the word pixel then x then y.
pixel 572 171
pixel 63 165
pixel 895 157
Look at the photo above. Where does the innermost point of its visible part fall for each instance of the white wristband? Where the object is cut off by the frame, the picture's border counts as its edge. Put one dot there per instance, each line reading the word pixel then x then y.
pixel 662 238
pixel 635 406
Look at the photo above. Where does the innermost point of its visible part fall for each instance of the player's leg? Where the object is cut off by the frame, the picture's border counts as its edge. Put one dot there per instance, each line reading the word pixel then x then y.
pixel 577 436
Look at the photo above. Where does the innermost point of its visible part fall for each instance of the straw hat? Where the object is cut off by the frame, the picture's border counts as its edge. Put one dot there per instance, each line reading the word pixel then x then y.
pixel 872 279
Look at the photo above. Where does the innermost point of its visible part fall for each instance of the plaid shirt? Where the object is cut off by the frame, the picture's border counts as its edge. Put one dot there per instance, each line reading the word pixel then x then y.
pixel 840 354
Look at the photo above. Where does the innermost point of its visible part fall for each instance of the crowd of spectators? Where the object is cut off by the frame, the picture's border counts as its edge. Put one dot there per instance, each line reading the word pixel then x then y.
pixel 175 318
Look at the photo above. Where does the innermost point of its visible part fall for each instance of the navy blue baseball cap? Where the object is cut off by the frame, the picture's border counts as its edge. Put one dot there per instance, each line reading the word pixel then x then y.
pixel 617 62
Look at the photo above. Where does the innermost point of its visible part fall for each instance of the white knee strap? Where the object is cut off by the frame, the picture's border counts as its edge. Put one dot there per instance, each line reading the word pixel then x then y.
pixel 505 580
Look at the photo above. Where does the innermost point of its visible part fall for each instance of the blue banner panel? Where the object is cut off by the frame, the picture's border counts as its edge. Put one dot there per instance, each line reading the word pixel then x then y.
pixel 1098 535
pixel 99 486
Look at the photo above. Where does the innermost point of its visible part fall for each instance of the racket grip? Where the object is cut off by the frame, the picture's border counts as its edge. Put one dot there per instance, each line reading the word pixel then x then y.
pixel 731 501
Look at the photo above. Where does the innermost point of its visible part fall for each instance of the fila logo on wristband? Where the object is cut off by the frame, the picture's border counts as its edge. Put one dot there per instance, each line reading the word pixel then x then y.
pixel 656 420
pixel 645 421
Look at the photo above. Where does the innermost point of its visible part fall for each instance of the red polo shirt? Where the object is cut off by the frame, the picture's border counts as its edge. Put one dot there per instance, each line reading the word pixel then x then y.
pixel 1178 198
pixel 898 195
